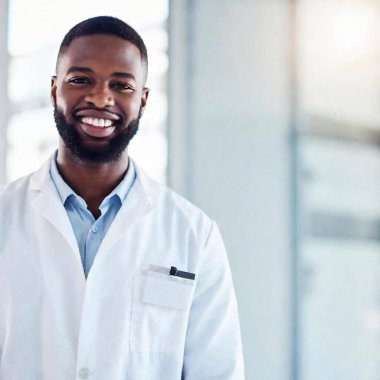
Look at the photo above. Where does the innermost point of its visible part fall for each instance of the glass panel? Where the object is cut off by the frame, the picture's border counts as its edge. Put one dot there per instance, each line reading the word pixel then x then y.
pixel 340 310
pixel 338 43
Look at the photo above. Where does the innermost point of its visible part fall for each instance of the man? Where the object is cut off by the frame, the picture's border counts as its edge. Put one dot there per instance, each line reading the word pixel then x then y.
pixel 105 274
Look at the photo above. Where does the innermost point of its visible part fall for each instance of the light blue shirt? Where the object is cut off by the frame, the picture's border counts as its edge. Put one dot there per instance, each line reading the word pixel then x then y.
pixel 88 231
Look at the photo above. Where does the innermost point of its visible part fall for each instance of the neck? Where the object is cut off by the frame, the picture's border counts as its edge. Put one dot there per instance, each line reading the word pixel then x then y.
pixel 91 182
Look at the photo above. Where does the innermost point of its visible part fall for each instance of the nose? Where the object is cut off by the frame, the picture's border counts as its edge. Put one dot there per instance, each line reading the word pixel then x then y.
pixel 100 97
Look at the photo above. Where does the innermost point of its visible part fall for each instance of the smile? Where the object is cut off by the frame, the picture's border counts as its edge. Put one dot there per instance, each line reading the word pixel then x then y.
pixel 97 122
pixel 98 128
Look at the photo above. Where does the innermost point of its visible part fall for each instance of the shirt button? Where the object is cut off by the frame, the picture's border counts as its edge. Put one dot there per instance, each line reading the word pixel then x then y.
pixel 94 229
pixel 84 373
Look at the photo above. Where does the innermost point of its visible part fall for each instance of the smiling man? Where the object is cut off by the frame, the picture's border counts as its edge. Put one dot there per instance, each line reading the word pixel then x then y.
pixel 104 273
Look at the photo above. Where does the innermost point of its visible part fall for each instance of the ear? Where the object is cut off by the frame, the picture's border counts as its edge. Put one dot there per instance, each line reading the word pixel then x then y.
pixel 144 98
pixel 53 90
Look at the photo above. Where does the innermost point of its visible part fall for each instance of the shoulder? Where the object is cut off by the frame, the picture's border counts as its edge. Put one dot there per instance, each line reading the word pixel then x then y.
pixel 15 188
pixel 170 204
pixel 14 198
pixel 37 180
pixel 16 193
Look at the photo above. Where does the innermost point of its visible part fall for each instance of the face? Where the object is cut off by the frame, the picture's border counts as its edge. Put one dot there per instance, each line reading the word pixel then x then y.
pixel 98 97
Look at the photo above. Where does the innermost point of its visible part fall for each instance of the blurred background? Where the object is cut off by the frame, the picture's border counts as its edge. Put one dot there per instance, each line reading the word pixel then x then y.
pixel 266 114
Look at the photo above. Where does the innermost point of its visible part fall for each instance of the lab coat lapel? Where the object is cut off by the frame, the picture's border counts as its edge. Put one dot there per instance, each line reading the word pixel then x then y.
pixel 46 201
pixel 140 202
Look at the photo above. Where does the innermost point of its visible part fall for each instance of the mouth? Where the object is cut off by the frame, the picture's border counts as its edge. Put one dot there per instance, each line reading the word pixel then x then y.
pixel 97 123
pixel 97 127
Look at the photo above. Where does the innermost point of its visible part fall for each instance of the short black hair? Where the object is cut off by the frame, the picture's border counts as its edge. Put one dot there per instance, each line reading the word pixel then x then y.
pixel 106 25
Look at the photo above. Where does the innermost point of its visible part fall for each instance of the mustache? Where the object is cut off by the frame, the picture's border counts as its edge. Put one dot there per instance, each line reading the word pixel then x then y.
pixel 116 114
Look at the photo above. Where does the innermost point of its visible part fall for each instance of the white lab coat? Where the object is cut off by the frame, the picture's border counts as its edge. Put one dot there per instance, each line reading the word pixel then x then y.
pixel 130 320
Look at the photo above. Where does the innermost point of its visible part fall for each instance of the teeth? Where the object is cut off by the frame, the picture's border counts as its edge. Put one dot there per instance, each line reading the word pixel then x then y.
pixel 103 123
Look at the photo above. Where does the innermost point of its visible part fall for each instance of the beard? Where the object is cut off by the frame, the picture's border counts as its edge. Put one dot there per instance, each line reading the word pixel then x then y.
pixel 90 155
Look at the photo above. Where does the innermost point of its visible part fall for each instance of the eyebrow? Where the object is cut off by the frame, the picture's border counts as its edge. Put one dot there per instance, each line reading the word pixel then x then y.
pixel 124 75
pixel 73 69
pixel 90 71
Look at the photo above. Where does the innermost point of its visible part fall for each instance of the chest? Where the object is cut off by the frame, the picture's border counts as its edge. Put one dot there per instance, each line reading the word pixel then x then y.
pixel 125 307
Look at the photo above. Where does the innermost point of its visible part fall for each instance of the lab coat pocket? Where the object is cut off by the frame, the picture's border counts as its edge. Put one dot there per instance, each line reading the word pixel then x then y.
pixel 159 314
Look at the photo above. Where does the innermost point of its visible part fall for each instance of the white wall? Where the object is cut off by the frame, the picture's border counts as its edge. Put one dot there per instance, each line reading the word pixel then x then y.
pixel 229 121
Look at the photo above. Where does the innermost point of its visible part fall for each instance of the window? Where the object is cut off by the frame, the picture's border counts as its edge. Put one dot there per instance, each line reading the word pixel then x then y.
pixel 339 83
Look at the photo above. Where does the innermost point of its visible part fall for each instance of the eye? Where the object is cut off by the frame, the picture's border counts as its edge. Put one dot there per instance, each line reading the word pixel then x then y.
pixel 122 86
pixel 79 80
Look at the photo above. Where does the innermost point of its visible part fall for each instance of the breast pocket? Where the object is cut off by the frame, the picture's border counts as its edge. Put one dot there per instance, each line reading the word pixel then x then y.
pixel 159 314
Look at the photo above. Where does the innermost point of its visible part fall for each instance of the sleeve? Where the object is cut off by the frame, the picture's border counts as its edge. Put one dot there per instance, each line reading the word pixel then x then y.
pixel 213 348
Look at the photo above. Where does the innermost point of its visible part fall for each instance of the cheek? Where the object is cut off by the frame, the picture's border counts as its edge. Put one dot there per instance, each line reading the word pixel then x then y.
pixel 133 108
pixel 127 111
pixel 64 101
pixel 61 99
pixel 136 109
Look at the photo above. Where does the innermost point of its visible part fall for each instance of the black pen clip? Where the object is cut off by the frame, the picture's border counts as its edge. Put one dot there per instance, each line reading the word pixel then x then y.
pixel 178 273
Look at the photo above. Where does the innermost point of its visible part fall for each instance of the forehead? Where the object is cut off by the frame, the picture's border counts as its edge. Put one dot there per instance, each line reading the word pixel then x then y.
pixel 102 52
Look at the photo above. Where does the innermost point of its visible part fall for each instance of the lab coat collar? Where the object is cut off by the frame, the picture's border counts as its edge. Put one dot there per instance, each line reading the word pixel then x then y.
pixel 139 202
pixel 47 202
pixel 41 181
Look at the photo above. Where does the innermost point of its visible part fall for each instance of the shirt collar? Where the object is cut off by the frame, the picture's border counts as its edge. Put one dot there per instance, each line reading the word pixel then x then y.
pixel 65 191
pixel 122 189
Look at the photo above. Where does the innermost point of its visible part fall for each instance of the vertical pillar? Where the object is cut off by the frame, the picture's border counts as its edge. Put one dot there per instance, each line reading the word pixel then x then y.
pixel 230 111
pixel 180 92
pixel 4 101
